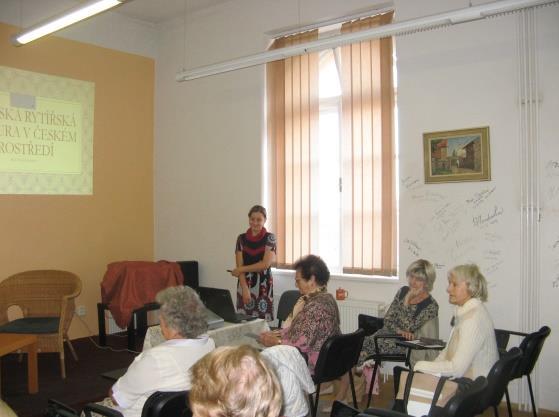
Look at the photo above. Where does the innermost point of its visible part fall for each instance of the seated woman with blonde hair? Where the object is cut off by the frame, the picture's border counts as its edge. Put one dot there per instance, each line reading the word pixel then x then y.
pixel 234 381
pixel 472 348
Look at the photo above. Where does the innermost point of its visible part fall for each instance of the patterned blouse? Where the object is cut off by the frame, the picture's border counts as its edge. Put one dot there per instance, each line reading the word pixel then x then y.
pixel 400 317
pixel 313 325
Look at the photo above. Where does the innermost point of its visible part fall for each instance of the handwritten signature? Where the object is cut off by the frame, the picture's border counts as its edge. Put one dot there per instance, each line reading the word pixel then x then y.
pixel 490 218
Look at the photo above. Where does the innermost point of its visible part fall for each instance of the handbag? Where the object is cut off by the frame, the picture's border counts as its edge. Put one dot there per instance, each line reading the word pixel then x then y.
pixel 420 393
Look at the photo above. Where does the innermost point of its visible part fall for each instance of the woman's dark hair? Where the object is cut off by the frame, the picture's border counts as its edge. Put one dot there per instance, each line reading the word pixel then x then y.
pixel 258 209
pixel 313 265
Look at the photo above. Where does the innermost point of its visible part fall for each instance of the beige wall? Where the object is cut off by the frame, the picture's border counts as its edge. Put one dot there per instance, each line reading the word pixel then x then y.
pixel 84 233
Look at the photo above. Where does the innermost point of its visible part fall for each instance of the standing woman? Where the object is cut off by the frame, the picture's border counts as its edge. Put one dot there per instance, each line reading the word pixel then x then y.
pixel 254 253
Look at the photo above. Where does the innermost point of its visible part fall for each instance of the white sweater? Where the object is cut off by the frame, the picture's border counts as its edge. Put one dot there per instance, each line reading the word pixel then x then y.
pixel 472 348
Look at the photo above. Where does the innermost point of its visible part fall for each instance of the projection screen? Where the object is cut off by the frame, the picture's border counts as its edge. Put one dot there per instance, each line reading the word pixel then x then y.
pixel 46 133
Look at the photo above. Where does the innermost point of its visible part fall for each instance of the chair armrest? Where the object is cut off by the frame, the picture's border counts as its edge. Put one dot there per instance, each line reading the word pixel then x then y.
pixel 101 410
pixel 380 412
pixel 515 333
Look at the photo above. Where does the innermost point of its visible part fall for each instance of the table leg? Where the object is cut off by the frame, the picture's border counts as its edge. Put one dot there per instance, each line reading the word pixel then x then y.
pixel 32 369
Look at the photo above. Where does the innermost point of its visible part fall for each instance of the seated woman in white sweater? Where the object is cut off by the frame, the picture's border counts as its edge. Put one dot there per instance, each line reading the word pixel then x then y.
pixel 472 349
pixel 165 367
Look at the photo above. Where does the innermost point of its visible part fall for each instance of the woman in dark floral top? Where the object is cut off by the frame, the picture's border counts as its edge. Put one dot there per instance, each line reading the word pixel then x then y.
pixel 412 314
pixel 315 316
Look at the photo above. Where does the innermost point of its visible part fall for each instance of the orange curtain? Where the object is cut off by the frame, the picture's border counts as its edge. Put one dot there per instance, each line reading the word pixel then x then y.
pixel 292 91
pixel 369 197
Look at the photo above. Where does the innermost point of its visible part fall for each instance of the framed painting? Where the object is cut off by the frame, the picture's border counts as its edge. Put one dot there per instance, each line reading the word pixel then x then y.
pixel 457 155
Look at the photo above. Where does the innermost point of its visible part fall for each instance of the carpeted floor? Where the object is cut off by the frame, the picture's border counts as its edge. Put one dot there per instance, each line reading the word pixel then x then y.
pixel 83 382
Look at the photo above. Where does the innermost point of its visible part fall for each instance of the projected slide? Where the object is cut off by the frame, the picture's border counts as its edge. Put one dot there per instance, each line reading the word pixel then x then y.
pixel 46 134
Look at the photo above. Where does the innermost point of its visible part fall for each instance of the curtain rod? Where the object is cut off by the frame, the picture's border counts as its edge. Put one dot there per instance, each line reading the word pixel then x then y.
pixel 468 14
pixel 357 14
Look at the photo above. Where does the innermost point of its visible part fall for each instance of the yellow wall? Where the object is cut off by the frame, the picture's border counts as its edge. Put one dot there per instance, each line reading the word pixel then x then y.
pixel 83 234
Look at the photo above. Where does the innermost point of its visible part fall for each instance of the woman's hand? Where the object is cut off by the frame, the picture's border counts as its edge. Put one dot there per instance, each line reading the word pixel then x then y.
pixel 235 272
pixel 246 295
pixel 406 335
pixel 269 338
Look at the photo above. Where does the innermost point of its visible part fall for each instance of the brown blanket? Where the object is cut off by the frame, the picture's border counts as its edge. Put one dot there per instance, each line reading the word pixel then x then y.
pixel 128 285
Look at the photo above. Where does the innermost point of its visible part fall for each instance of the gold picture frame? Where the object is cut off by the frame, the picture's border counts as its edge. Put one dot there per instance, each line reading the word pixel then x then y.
pixel 457 155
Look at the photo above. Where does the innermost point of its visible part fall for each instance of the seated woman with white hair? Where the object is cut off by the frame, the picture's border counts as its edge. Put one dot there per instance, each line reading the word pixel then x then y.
pixel 472 348
pixel 165 367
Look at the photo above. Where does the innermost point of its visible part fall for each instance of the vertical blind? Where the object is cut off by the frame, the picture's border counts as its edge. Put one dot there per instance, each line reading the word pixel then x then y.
pixel 369 196
pixel 293 132
pixel 368 177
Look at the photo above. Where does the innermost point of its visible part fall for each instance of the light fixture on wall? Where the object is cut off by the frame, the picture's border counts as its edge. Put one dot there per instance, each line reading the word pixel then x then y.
pixel 69 17
pixel 398 28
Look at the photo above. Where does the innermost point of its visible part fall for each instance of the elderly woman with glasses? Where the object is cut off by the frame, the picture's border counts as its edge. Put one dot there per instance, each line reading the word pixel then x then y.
pixel 412 314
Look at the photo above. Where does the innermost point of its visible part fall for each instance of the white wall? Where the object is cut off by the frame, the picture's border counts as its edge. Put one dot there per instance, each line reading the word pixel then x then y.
pixel 467 76
pixel 209 135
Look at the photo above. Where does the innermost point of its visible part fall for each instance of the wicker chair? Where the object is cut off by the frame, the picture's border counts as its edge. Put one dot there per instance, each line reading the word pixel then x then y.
pixel 46 299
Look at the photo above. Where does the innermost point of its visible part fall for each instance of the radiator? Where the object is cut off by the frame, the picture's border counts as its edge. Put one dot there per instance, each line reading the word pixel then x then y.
pixel 350 309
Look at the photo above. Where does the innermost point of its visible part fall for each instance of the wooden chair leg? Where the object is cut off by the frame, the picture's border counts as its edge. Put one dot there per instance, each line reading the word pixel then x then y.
pixel 62 365
pixel 72 351
pixel 495 411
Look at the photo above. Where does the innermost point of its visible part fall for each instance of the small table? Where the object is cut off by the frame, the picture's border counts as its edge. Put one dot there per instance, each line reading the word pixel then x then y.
pixel 10 342
pixel 419 345
pixel 230 334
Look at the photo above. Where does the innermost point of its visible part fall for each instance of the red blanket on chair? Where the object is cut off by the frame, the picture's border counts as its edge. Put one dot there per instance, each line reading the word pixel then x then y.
pixel 129 285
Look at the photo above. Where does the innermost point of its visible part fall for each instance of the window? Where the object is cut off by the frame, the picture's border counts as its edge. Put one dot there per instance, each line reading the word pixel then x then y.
pixel 332 190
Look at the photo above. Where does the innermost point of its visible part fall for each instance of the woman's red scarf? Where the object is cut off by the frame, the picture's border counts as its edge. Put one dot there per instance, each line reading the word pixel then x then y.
pixel 256 238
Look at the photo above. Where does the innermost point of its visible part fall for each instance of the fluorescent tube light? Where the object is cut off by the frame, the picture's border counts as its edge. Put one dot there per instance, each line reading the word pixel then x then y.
pixel 69 17
pixel 467 14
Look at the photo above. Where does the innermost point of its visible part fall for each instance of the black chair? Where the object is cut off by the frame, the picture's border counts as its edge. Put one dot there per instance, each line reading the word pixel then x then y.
pixel 371 325
pixel 159 404
pixel 338 356
pixel 463 404
pixel 285 305
pixel 531 347
pixel 340 409
pixel 498 380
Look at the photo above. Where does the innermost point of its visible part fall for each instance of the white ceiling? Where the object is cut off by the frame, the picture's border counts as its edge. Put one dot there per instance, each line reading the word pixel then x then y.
pixel 157 11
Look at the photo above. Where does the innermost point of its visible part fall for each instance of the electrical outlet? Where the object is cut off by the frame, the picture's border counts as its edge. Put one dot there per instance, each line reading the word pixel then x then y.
pixel 81 311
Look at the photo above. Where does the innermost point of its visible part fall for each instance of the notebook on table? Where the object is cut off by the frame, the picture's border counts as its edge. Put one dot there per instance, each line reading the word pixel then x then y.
pixel 220 302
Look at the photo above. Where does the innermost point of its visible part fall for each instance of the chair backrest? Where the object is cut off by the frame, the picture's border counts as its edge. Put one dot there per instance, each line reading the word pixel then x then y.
pixel 338 355
pixel 465 403
pixel 167 404
pixel 40 293
pixel 502 337
pixel 286 303
pixel 531 347
pixel 498 378
pixel 369 324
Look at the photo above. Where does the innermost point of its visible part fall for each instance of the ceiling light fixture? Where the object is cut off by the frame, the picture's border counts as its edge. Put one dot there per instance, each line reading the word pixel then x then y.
pixel 398 28
pixel 69 17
